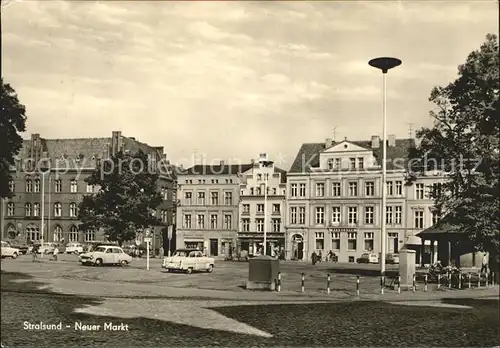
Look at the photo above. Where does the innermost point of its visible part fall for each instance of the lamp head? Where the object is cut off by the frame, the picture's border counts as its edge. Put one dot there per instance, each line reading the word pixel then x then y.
pixel 385 63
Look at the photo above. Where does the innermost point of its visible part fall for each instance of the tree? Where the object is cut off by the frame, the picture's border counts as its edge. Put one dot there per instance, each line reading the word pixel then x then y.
pixel 12 121
pixel 126 199
pixel 464 141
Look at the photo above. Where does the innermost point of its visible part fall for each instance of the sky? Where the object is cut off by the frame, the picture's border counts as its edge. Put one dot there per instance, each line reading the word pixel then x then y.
pixel 231 80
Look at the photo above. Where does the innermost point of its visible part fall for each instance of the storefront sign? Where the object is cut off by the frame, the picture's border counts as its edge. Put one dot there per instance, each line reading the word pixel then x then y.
pixel 342 229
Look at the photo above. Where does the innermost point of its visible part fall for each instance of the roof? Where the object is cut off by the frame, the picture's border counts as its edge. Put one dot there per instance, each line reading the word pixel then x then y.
pixel 441 230
pixel 308 155
pixel 220 169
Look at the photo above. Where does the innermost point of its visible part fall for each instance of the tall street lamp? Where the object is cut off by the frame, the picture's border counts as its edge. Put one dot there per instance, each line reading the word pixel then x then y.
pixel 384 64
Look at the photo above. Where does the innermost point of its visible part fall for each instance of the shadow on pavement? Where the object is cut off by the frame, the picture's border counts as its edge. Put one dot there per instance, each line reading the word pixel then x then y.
pixel 363 272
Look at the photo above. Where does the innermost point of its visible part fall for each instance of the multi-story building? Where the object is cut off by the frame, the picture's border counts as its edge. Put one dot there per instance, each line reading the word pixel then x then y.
pixel 49 181
pixel 334 199
pixel 207 210
pixel 260 212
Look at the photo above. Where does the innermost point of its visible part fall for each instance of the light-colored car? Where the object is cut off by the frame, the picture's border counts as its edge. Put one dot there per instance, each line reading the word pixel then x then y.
pixel 105 255
pixel 392 259
pixel 7 251
pixel 47 248
pixel 368 258
pixel 74 248
pixel 188 261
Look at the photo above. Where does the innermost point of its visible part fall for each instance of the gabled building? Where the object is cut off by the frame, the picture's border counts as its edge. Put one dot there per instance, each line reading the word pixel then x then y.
pixel 334 199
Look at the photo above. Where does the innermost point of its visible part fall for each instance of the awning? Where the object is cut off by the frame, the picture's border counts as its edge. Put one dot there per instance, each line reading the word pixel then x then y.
pixel 414 240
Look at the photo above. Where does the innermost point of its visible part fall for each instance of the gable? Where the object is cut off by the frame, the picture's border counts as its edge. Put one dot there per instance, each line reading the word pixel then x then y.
pixel 346 146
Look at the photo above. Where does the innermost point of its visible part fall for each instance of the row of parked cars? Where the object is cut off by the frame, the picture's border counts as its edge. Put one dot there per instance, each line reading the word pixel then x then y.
pixel 390 258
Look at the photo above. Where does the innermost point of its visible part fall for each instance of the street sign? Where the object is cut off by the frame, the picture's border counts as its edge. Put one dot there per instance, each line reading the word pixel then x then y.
pixel 170 228
pixel 147 240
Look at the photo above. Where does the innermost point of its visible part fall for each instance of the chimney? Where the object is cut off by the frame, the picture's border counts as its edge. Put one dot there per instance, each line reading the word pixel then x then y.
pixel 391 140
pixel 263 157
pixel 375 141
pixel 252 161
pixel 132 138
pixel 328 143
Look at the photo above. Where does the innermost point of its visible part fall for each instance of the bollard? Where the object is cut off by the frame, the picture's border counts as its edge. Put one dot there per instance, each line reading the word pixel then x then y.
pixel 328 284
pixel 492 278
pixel 469 276
pixel 439 281
pixel 357 285
pixel 302 282
pixel 486 279
pixel 382 282
pixel 279 282
pixel 479 280
pixel 425 282
pixel 399 284
pixel 459 280
pixel 414 283
pixel 449 280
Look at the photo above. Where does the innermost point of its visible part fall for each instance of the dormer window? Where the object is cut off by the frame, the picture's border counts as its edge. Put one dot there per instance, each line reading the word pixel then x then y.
pixel 337 163
pixel 331 163
pixel 360 163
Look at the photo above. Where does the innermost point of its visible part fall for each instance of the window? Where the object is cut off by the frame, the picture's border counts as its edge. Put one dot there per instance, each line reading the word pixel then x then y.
pixel 320 215
pixel 58 234
pixel 12 186
pixel 302 215
pixel 353 163
pixel 73 234
pixel 33 233
pixel 335 240
pixel 320 189
pixel 246 208
pixel 418 219
pixel 276 225
pixel 398 213
pixel 187 221
pixel 164 216
pixel 369 188
pixel 228 222
pixel 276 208
pixel 361 163
pixel 335 215
pixel 188 196
pixel 29 185
pixel 10 209
pixel 388 215
pixel 228 198
pixel 90 236
pixel 201 198
pixel 336 189
pixel 320 240
pixel 37 185
pixel 57 209
pixel 260 225
pixel 90 188
pixel 337 163
pixel 399 188
pixel 213 221
pixel 214 198
pixel 369 215
pixel 435 217
pixel 353 215
pixel 28 209
pixel 245 225
pixel 436 189
pixel 330 163
pixel 419 191
pixel 73 210
pixel 36 209
pixel 200 222
pixel 389 186
pixel 258 191
pixel 302 190
pixel 275 191
pixel 353 189
pixel 58 186
pixel 369 241
pixel 352 241
pixel 260 208
pixel 73 186
pixel 293 215
pixel 259 176
pixel 293 190
pixel 164 193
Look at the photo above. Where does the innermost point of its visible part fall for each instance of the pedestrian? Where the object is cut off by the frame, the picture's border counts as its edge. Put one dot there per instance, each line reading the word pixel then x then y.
pixel 162 252
pixel 320 256
pixel 56 252
pixel 484 264
pixel 314 258
pixel 34 252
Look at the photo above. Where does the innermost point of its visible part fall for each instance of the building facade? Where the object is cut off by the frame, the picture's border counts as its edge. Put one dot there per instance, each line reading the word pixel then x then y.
pixel 207 211
pixel 260 212
pixel 49 181
pixel 334 195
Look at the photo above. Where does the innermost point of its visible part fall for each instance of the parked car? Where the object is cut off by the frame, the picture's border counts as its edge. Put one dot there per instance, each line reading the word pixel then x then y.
pixel 74 248
pixel 392 259
pixel 8 251
pixel 188 261
pixel 23 248
pixel 47 248
pixel 105 255
pixel 368 258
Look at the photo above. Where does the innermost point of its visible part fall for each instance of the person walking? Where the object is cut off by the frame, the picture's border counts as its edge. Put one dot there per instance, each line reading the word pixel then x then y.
pixel 484 264
pixel 56 252
pixel 34 252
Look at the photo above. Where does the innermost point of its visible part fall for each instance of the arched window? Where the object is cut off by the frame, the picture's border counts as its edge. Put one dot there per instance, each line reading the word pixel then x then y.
pixel 73 210
pixel 89 235
pixel 37 185
pixel 57 209
pixel 33 232
pixel 73 234
pixel 58 233
pixel 27 209
pixel 57 185
pixel 36 209
pixel 10 209
pixel 74 186
pixel 11 231
pixel 29 185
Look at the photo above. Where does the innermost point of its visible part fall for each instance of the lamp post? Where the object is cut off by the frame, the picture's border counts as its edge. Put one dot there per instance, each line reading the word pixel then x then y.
pixel 384 64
